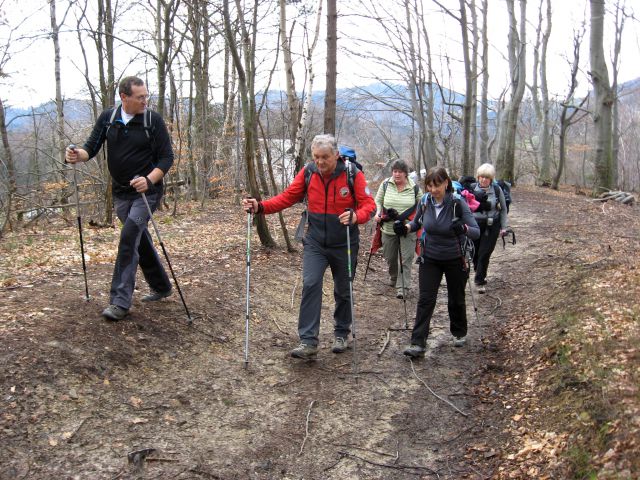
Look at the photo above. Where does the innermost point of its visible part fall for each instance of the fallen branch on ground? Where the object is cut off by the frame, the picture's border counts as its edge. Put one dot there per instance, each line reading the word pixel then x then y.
pixel 619 196
pixel 306 427
pixel 386 342
pixel 435 394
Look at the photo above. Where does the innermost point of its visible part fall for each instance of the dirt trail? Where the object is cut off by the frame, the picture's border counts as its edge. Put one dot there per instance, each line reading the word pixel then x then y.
pixel 79 394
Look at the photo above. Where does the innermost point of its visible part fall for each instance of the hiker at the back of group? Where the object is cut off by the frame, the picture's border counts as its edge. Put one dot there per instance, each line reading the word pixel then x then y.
pixel 139 154
pixel 396 200
pixel 492 219
pixel 333 205
pixel 446 220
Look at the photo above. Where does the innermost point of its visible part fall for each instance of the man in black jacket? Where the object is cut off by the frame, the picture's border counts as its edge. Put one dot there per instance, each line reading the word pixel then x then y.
pixel 138 145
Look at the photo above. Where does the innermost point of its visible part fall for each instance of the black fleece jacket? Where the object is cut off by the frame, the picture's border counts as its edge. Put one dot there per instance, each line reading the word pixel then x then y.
pixel 129 151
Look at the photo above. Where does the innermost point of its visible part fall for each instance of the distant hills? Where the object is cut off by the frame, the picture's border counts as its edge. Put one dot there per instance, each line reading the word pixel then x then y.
pixel 381 101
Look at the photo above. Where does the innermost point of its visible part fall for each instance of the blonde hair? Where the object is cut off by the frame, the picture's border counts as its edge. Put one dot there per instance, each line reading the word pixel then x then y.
pixel 486 170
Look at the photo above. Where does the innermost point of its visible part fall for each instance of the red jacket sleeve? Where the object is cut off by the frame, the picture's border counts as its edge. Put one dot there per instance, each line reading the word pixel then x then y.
pixel 364 199
pixel 290 196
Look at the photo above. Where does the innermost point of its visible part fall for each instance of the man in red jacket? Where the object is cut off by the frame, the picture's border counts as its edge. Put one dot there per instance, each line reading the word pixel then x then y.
pixel 333 206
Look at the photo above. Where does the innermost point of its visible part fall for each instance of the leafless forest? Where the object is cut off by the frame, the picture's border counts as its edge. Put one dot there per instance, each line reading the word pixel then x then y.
pixel 257 137
pixel 547 386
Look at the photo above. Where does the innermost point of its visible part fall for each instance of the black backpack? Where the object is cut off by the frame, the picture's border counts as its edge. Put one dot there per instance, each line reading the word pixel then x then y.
pixel 506 189
pixel 469 183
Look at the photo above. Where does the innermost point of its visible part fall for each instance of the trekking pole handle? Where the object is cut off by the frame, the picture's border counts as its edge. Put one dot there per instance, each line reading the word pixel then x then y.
pixel 153 222
pixel 351 213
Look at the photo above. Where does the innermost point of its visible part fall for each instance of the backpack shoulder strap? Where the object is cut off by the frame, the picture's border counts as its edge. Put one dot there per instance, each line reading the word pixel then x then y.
pixel 309 169
pixel 385 184
pixel 111 119
pixel 352 171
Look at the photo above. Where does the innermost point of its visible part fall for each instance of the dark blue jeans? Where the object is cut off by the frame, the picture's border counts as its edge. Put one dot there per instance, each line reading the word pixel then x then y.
pixel 136 248
pixel 316 259
pixel 430 276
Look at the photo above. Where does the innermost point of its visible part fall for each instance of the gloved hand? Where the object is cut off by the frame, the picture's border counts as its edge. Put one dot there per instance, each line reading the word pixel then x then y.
pixel 458 227
pixel 485 206
pixel 392 214
pixel 399 228
pixel 481 196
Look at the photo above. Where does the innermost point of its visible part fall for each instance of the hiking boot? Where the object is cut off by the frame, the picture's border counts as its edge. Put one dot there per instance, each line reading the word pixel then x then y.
pixel 399 295
pixel 415 351
pixel 114 312
pixel 481 289
pixel 304 351
pixel 459 341
pixel 154 296
pixel 339 345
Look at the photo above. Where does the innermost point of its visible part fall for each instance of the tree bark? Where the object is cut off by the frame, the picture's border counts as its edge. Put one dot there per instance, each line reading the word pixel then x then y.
pixel 11 172
pixel 505 162
pixel 293 103
pixel 332 46
pixel 604 99
pixel 246 78
pixel 484 102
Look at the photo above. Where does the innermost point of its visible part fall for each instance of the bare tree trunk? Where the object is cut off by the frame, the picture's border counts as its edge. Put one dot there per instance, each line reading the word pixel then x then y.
pixel 484 102
pixel 604 99
pixel 11 172
pixel 467 163
pixel 505 162
pixel 300 143
pixel 246 77
pixel 55 31
pixel 332 45
pixel 473 133
pixel 165 12
pixel 565 117
pixel 620 17
pixel 292 98
pixel 544 134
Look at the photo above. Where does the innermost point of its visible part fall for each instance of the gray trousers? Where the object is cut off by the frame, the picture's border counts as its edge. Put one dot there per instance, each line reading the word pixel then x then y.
pixel 390 252
pixel 136 248
pixel 316 259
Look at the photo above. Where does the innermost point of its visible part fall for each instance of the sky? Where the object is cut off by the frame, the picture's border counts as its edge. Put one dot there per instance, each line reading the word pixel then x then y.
pixel 31 66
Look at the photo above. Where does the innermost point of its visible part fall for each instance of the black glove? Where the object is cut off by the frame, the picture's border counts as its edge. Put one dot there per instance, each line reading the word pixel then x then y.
pixel 485 206
pixel 481 196
pixel 392 214
pixel 458 227
pixel 151 188
pixel 399 228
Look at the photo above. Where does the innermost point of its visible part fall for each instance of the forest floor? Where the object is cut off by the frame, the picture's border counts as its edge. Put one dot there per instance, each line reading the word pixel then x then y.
pixel 546 387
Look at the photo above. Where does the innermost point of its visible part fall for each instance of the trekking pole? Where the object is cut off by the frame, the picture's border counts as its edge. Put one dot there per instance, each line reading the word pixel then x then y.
pixel 246 322
pixel 404 293
pixel 72 147
pixel 353 320
pixel 364 279
pixel 468 255
pixel 166 255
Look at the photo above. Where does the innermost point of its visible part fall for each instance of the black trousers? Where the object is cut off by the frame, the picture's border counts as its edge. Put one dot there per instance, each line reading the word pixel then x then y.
pixel 484 247
pixel 430 276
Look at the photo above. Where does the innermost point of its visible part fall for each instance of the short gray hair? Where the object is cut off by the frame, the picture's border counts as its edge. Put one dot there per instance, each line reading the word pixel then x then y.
pixel 325 141
pixel 486 170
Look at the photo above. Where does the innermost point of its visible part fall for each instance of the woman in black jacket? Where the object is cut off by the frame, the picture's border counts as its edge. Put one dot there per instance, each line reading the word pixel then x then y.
pixel 446 220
